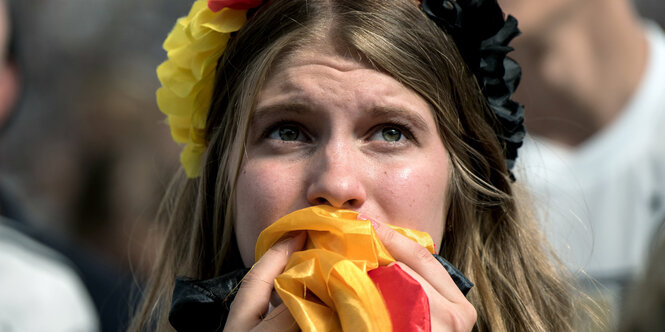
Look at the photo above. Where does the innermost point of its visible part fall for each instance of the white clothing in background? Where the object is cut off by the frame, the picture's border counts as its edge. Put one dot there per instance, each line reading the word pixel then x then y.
pixel 38 290
pixel 604 199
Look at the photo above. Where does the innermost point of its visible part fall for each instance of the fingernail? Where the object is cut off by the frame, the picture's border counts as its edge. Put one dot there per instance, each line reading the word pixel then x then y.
pixel 288 236
pixel 289 242
pixel 364 217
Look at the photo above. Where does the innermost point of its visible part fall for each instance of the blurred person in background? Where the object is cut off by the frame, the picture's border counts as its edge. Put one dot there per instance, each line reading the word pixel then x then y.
pixel 594 84
pixel 652 10
pixel 39 290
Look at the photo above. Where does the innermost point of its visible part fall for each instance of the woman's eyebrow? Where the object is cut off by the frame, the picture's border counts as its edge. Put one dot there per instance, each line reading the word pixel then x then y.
pixel 280 109
pixel 375 112
pixel 390 112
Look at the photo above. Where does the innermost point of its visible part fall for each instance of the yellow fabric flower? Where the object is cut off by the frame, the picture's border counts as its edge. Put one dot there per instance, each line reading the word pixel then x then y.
pixel 326 286
pixel 194 46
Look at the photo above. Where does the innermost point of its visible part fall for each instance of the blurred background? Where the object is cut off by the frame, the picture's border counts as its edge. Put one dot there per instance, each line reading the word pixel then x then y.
pixel 87 155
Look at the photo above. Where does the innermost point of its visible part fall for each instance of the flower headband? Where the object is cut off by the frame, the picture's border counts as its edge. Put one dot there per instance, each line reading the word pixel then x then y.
pixel 198 40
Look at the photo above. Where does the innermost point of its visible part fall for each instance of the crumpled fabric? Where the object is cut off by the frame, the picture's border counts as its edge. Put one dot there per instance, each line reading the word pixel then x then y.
pixel 404 297
pixel 217 5
pixel 203 305
pixel 326 286
pixel 194 46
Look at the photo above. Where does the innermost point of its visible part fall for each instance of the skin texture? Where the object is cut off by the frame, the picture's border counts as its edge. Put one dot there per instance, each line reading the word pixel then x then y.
pixel 340 117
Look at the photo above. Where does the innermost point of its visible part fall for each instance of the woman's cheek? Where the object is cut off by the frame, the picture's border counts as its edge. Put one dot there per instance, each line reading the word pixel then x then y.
pixel 413 197
pixel 265 192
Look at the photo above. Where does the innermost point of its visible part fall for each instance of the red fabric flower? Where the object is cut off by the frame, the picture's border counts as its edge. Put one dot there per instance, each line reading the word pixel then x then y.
pixel 217 5
pixel 405 299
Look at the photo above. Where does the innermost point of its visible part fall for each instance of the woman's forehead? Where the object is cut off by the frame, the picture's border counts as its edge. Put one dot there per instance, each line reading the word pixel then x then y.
pixel 311 72
pixel 324 52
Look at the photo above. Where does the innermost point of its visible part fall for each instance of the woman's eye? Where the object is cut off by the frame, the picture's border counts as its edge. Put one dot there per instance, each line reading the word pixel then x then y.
pixel 391 134
pixel 388 134
pixel 286 133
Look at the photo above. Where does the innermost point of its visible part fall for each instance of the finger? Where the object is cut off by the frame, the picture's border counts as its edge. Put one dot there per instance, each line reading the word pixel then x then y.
pixel 444 314
pixel 251 302
pixel 279 319
pixel 420 260
pixel 275 301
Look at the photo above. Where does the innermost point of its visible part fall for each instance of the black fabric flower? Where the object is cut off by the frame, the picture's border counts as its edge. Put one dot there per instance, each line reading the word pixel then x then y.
pixel 482 35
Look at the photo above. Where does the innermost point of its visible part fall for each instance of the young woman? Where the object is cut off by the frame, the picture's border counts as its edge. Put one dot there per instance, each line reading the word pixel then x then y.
pixel 397 110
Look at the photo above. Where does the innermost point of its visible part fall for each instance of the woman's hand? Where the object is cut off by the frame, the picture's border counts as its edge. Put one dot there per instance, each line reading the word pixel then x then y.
pixel 249 308
pixel 449 309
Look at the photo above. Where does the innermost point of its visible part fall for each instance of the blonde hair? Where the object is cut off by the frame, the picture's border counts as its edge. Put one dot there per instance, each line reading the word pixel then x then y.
pixel 492 241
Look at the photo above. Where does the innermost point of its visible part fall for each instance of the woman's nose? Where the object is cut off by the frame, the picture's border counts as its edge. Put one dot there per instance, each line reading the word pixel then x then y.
pixel 335 178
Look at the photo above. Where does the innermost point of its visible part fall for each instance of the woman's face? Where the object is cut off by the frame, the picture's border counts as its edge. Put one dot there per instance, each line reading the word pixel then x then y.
pixel 330 130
